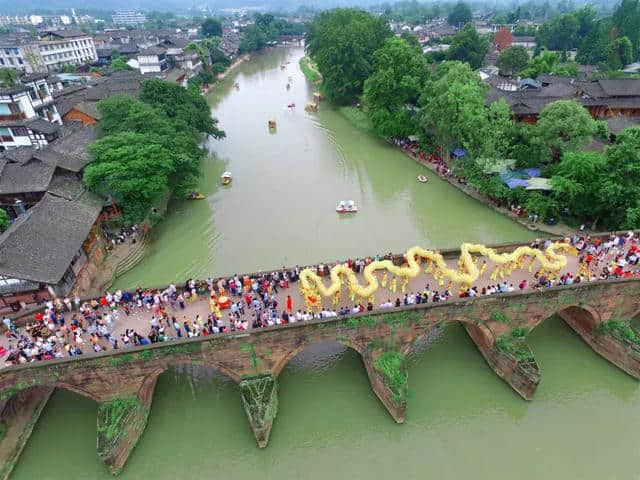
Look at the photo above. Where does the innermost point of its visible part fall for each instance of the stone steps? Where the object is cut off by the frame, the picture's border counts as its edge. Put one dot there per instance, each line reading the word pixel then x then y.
pixel 133 258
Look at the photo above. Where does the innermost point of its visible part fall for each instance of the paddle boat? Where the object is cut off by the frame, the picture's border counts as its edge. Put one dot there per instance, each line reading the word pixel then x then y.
pixel 196 196
pixel 422 179
pixel 226 178
pixel 288 86
pixel 291 105
pixel 346 207
pixel 272 124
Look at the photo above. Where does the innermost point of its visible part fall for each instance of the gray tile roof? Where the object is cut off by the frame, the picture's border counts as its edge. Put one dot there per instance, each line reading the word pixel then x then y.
pixel 41 244
pixel 621 87
pixel 72 149
pixel 43 126
pixel 33 175
pixel 66 185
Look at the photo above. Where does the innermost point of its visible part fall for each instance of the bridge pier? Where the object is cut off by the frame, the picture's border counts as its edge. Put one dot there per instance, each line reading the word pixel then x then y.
pixel 387 372
pixel 523 377
pixel 19 415
pixel 260 400
pixel 622 354
pixel 121 421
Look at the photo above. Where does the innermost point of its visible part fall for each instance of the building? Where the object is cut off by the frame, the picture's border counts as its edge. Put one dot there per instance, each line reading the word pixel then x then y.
pixel 604 99
pixel 128 17
pixel 527 42
pixel 28 114
pixel 52 247
pixel 21 55
pixel 180 55
pixel 502 39
pixel 66 47
pixel 152 60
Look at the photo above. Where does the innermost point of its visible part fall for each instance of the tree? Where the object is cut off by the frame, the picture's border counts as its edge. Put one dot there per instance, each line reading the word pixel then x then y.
pixel 620 53
pixel 342 42
pixel 392 91
pixel 564 126
pixel 621 189
pixel 577 184
pixel 182 105
pixel 460 15
pixel 211 27
pixel 560 33
pixel 4 220
pixel 626 20
pixel 253 39
pixel 119 65
pixel 512 60
pixel 133 169
pixel 453 108
pixel 9 77
pixel 468 46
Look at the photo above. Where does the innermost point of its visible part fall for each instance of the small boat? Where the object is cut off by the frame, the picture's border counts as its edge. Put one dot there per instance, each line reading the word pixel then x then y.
pixel 272 124
pixel 196 196
pixel 288 86
pixel 226 178
pixel 282 67
pixel 422 179
pixel 237 85
pixel 346 207
pixel 291 105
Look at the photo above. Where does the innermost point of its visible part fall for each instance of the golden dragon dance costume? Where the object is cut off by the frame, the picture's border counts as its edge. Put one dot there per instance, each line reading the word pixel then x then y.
pixel 549 260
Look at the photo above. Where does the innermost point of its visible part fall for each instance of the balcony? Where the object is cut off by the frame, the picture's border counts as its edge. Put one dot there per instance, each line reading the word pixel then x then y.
pixel 13 116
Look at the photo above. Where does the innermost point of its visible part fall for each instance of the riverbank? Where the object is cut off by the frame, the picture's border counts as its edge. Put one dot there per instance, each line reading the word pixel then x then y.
pixel 358 118
pixel 233 66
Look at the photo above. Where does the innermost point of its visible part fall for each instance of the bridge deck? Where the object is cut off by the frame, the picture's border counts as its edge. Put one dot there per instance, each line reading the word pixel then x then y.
pixel 140 318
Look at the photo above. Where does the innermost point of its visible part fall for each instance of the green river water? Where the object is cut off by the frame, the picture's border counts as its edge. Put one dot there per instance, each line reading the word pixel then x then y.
pixel 462 420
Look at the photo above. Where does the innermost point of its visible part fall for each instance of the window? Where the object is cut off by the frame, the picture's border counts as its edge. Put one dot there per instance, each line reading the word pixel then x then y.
pixel 5 135
pixel 1 61
pixel 20 131
pixel 20 61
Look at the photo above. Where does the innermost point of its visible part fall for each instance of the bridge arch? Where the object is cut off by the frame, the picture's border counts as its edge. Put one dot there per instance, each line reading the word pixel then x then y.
pixel 345 342
pixel 582 318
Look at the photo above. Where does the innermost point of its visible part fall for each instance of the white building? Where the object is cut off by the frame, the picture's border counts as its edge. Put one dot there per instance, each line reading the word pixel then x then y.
pixel 24 57
pixel 66 47
pixel 128 17
pixel 152 60
pixel 28 114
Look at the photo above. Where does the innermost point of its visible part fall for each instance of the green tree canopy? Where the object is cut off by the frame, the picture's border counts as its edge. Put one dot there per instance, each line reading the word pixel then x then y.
pixel 132 168
pixel 460 15
pixel 342 42
pixel 119 65
pixel 564 126
pixel 622 187
pixel 577 184
pixel 181 105
pixel 468 46
pixel 512 60
pixel 453 108
pixel 211 27
pixel 253 39
pixel 9 77
pixel 4 220
pixel 401 72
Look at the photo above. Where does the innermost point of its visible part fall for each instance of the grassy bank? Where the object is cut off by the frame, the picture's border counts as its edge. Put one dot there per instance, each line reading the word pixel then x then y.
pixel 309 70
pixel 358 118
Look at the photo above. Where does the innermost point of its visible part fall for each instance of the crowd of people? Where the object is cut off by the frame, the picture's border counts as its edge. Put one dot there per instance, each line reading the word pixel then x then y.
pixel 71 327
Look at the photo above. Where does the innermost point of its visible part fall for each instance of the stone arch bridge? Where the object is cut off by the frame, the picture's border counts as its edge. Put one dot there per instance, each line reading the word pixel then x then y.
pixel 123 381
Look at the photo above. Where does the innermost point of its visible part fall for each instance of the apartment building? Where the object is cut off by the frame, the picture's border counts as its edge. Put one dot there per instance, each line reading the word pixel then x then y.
pixel 128 17
pixel 28 114
pixel 152 60
pixel 66 47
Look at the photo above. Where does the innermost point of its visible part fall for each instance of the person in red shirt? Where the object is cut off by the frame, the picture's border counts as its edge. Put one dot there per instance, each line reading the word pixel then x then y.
pixel 289 304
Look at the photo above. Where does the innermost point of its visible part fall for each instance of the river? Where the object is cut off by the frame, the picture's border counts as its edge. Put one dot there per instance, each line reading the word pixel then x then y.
pixel 462 420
